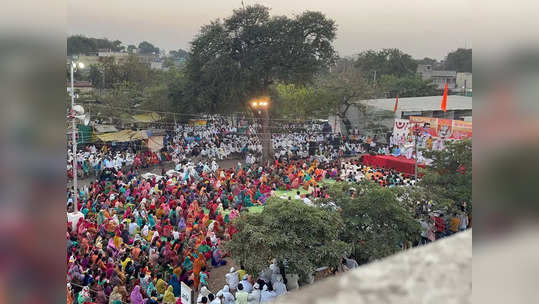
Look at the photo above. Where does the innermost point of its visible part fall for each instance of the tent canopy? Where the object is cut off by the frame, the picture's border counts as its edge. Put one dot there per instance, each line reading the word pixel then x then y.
pixel 123 136
pixel 105 128
pixel 147 117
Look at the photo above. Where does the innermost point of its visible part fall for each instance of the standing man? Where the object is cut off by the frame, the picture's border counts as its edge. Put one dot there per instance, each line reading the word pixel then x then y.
pixel 241 296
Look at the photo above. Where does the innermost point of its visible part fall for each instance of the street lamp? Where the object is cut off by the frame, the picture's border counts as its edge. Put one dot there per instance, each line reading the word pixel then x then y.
pixel 77 112
pixel 418 130
pixel 260 105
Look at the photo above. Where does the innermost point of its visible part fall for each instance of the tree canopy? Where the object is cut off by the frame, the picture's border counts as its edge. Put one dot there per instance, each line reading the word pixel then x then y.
pixel 342 87
pixel 240 57
pixel 301 102
pixel 449 178
pixel 300 236
pixel 80 45
pixel 179 54
pixel 409 86
pixel 375 221
pixel 459 60
pixel 147 48
pixel 386 62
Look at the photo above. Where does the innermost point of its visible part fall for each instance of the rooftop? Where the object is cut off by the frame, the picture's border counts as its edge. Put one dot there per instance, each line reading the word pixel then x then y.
pixel 426 103
pixel 435 73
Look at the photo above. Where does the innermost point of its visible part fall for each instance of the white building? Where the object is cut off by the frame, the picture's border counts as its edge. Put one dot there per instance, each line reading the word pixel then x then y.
pixel 375 115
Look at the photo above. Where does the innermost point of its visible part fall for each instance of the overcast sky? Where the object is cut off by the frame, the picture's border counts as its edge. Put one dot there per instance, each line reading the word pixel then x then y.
pixel 422 28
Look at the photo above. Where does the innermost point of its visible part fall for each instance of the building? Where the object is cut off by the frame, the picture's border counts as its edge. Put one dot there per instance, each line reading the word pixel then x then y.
pixel 438 77
pixel 118 56
pixel 457 107
pixel 97 57
pixel 376 116
pixel 464 83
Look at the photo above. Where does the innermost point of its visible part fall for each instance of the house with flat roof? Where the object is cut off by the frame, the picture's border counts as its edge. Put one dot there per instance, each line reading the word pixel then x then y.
pixel 438 77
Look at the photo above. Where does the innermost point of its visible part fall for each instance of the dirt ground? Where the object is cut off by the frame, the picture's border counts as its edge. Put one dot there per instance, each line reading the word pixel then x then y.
pixel 216 278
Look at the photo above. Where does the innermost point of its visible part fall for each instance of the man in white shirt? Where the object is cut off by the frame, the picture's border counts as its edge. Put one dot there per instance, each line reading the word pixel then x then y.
pixel 307 201
pixel 232 278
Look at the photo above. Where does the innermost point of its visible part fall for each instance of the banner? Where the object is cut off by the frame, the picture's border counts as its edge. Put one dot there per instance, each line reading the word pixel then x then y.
pixel 462 129
pixel 429 125
pixel 442 128
pixel 401 127
pixel 186 294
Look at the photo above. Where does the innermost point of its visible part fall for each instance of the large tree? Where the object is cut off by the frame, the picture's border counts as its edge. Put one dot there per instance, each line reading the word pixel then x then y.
pixel 179 54
pixel 301 102
pixel 253 51
pixel 375 221
pixel 342 88
pixel 147 48
pixel 80 45
pixel 239 58
pixel 459 60
pixel 301 236
pixel 375 64
pixel 409 86
pixel 449 177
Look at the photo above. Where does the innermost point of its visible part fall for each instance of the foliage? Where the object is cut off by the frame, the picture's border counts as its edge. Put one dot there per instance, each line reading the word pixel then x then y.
pixel 132 70
pixel 241 56
pixel 80 45
pixel 342 87
pixel 459 60
pixel 131 48
pixel 375 221
pixel 416 199
pixel 301 102
pixel 449 178
pixel 436 65
pixel 147 48
pixel 179 54
pixel 427 60
pixel 179 91
pixel 305 237
pixel 386 62
pixel 409 86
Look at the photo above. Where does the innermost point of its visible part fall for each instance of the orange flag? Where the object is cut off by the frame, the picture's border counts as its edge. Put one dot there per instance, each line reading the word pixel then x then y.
pixel 396 103
pixel 444 100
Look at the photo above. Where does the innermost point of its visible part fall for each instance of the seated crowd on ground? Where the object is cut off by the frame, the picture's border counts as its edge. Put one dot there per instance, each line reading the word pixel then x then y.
pixel 218 139
pixel 137 239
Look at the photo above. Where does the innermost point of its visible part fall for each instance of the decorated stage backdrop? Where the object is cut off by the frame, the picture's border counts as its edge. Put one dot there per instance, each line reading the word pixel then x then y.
pixel 436 127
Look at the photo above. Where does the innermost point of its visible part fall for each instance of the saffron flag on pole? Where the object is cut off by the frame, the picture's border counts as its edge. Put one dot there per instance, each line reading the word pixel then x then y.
pixel 444 100
pixel 396 103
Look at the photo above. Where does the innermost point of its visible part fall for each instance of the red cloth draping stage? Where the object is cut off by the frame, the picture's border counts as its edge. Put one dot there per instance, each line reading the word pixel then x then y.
pixel 401 163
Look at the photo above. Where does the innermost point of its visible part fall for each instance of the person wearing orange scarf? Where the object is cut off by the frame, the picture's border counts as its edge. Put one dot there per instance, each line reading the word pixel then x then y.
pixel 197 266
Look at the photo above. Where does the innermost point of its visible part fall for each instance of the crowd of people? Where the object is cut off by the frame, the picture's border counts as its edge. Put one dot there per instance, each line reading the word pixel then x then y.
pixel 138 238
pixel 218 138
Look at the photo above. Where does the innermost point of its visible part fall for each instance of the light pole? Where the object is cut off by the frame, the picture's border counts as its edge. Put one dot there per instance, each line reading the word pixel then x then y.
pixel 261 105
pixel 74 137
pixel 417 132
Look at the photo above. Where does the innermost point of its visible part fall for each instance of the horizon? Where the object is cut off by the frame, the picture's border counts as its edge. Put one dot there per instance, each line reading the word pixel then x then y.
pixel 187 49
pixel 413 27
